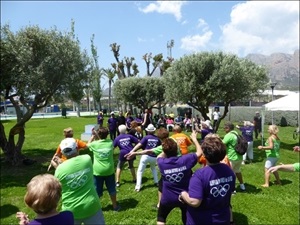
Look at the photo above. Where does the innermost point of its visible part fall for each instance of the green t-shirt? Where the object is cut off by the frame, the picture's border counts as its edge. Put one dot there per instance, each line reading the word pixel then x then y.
pixel 275 151
pixel 157 150
pixel 296 167
pixel 230 140
pixel 78 191
pixel 103 151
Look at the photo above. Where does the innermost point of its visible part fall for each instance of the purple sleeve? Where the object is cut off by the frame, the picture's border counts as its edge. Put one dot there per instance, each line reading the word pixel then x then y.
pixel 190 160
pixel 195 187
pixel 116 141
pixel 143 142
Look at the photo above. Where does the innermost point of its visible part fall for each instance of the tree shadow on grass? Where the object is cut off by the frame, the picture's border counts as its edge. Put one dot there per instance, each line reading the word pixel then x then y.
pixel 239 218
pixel 19 176
pixel 8 210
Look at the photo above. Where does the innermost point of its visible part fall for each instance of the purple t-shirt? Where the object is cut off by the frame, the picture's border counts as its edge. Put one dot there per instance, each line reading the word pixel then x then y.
pixel 125 143
pixel 100 119
pixel 176 173
pixel 247 132
pixel 129 119
pixel 205 132
pixel 63 218
pixel 214 186
pixel 112 123
pixel 150 141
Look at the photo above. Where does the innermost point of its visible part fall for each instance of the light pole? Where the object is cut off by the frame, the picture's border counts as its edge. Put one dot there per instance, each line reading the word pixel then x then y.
pixel 272 85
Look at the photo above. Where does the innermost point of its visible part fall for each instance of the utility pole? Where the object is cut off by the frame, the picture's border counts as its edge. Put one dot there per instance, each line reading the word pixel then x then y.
pixel 170 45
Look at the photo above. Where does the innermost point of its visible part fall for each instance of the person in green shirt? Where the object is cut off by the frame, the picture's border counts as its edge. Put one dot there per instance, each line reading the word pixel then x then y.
pixel 230 140
pixel 271 147
pixel 295 167
pixel 78 191
pixel 103 166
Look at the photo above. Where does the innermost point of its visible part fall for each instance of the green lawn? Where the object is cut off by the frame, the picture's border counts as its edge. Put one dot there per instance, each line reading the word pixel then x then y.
pixel 274 205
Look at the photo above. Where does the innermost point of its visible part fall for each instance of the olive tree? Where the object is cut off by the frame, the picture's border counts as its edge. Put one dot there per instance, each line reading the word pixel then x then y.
pixel 145 92
pixel 202 79
pixel 36 64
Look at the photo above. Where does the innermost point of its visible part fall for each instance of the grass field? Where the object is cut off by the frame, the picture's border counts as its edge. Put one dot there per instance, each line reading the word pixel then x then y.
pixel 274 205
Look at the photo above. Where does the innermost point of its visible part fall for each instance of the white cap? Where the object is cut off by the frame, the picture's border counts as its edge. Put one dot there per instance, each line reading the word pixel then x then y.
pixel 68 146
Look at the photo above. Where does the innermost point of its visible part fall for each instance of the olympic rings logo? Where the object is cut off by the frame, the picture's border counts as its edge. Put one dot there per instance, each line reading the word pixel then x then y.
pixel 220 190
pixel 175 177
pixel 152 144
pixel 124 143
pixel 77 182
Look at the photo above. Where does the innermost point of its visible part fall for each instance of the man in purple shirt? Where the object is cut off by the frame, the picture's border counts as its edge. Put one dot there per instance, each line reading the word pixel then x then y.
pixel 176 172
pixel 125 143
pixel 150 141
pixel 112 123
pixel 211 187
pixel 247 132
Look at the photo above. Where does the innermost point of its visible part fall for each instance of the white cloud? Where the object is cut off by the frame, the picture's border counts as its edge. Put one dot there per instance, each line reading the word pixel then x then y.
pixel 165 7
pixel 195 42
pixel 262 27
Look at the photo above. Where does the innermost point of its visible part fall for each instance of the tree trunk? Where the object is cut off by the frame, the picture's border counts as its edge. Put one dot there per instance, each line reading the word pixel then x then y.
pixel 12 151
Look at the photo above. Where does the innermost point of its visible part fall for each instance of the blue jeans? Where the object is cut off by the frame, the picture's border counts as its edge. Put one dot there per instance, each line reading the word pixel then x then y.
pixel 110 184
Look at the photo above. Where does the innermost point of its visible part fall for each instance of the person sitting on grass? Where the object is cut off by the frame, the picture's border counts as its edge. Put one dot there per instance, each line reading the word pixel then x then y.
pixel 176 172
pixel 42 196
pixel 271 147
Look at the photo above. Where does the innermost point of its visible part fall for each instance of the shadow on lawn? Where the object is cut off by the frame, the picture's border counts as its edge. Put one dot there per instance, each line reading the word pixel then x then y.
pixel 239 218
pixel 19 176
pixel 8 210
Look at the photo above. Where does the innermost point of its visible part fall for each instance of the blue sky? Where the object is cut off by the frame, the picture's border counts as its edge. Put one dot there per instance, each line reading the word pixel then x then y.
pixel 139 27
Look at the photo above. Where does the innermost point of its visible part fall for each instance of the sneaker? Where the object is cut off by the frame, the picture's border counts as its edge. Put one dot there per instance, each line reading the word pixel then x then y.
pixel 117 184
pixel 137 190
pixel 117 209
pixel 243 163
pixel 234 192
pixel 242 187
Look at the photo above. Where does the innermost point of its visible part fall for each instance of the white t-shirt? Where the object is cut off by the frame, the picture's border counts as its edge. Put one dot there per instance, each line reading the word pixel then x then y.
pixel 216 115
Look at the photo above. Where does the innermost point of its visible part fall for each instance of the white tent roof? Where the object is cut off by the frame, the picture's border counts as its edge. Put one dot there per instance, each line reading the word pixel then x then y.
pixel 286 103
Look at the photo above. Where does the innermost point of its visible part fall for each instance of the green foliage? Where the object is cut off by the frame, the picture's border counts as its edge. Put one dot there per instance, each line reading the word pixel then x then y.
pixel 40 63
pixel 273 205
pixel 201 79
pixel 144 92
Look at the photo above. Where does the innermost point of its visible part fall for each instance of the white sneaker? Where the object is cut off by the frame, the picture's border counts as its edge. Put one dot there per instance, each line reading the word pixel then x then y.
pixel 242 187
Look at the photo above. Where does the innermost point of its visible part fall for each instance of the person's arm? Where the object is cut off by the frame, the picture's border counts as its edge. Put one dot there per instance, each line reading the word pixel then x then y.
pixel 185 198
pixel 161 155
pixel 270 146
pixel 193 136
pixel 286 168
pixel 92 138
pixel 24 220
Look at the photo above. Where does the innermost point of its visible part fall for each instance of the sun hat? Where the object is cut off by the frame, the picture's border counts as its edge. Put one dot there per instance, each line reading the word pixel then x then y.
pixel 207 123
pixel 112 113
pixel 150 128
pixel 248 123
pixel 68 146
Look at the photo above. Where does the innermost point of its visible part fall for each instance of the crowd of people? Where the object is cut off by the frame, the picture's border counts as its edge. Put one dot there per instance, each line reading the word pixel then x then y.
pixel 203 196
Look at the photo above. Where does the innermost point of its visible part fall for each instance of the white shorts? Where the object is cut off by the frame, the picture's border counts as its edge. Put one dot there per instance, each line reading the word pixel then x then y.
pixel 236 165
pixel 270 162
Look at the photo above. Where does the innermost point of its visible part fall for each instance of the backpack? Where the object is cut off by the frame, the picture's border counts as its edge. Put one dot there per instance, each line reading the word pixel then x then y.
pixel 242 144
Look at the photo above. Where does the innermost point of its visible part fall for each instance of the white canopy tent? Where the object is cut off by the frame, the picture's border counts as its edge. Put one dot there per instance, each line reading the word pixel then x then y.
pixel 287 103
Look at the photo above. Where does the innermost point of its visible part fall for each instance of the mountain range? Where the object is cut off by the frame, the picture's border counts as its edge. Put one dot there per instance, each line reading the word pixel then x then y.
pixel 282 68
